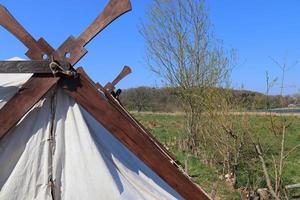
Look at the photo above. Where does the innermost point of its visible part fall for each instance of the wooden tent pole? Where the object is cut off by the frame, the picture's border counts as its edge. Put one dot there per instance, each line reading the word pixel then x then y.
pixel 30 93
pixel 35 87
pixel 87 95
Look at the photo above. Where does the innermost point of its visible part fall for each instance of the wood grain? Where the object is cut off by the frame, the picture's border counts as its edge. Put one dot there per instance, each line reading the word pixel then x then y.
pixel 40 66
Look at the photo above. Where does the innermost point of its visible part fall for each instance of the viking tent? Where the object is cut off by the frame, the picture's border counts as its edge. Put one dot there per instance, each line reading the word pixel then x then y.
pixel 62 136
pixel 58 146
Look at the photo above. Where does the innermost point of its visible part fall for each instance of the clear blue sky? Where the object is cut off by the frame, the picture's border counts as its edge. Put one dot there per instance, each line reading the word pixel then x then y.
pixel 257 29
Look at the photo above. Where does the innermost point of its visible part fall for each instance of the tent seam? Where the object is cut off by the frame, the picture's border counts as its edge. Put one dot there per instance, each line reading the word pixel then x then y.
pixel 51 140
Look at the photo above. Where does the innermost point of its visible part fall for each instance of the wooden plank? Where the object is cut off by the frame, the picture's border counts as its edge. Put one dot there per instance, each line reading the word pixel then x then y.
pixel 30 93
pixel 138 125
pixel 38 66
pixel 124 112
pixel 84 93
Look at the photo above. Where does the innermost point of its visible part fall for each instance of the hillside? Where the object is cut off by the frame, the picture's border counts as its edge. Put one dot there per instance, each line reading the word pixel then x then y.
pixel 165 99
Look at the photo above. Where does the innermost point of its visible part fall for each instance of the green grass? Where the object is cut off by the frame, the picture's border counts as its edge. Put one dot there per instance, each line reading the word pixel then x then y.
pixel 261 125
pixel 168 128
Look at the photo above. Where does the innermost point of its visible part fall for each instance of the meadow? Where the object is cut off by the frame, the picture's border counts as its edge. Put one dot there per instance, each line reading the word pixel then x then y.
pixel 168 128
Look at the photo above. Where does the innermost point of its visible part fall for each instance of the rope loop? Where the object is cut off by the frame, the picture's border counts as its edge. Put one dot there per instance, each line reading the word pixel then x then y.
pixel 56 69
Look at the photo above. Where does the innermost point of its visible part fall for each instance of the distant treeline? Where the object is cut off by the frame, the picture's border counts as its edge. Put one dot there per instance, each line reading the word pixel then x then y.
pixel 150 99
pixel 165 99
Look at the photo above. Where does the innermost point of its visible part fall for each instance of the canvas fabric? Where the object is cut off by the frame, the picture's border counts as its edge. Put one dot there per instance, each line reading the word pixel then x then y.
pixel 59 151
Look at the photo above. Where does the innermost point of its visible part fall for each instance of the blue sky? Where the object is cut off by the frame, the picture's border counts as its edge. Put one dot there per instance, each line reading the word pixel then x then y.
pixel 257 29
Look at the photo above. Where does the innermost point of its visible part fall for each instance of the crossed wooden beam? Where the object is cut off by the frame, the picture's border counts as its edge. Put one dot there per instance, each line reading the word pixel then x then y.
pixel 47 62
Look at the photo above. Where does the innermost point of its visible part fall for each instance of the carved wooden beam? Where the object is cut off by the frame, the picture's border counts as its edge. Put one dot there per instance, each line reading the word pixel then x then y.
pixel 34 66
pixel 124 112
pixel 111 85
pixel 88 96
pixel 37 86
pixel 72 50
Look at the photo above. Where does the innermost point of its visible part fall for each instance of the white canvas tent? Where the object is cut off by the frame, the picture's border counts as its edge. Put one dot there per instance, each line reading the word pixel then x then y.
pixel 62 136
pixel 60 147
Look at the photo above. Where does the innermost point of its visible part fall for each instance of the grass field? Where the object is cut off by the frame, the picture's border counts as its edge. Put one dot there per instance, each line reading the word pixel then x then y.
pixel 167 128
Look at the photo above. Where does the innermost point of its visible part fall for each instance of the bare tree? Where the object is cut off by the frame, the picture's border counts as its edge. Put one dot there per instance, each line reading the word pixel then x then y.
pixel 182 50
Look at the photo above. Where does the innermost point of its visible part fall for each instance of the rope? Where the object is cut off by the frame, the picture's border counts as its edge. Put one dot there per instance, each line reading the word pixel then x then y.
pixel 56 68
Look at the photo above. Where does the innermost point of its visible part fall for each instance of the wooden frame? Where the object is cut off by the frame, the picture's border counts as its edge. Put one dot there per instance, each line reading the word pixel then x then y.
pixel 109 114
pixel 103 107
pixel 34 66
